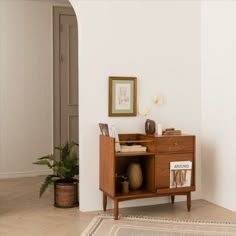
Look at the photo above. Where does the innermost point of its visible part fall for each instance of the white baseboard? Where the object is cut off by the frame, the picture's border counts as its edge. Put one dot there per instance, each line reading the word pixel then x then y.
pixel 24 174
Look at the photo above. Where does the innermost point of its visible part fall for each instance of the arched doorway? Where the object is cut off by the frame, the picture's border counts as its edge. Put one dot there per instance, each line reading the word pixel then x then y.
pixel 26 101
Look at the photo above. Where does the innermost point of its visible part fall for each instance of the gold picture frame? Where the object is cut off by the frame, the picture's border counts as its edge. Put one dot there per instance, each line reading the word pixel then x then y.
pixel 122 96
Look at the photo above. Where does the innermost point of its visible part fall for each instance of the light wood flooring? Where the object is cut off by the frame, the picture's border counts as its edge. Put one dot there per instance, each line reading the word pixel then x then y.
pixel 22 213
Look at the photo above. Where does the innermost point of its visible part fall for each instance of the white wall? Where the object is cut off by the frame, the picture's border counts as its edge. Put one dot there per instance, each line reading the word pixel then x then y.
pixel 26 86
pixel 157 41
pixel 219 102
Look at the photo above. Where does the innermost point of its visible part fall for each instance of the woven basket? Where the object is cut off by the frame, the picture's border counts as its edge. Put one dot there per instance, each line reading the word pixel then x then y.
pixel 66 194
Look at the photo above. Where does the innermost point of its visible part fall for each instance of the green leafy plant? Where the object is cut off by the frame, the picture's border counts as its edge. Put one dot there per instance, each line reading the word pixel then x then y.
pixel 64 170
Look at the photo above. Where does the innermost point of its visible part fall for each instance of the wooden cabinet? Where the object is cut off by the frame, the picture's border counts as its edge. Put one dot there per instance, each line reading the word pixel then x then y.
pixel 155 165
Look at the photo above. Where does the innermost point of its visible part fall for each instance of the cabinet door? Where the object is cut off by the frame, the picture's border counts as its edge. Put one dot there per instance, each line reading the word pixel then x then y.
pixel 162 167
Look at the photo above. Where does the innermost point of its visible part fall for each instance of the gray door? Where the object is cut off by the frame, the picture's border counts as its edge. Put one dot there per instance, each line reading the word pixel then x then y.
pixel 65 76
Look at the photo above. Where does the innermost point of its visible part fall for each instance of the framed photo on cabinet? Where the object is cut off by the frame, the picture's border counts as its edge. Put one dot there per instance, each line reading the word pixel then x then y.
pixel 122 96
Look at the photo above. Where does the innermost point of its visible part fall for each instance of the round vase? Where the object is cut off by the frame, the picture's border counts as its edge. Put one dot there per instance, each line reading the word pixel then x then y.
pixel 135 175
pixel 150 126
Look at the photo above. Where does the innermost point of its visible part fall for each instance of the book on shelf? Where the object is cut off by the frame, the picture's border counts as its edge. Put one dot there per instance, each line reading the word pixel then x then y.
pixel 180 174
pixel 109 130
pixel 133 148
pixel 114 134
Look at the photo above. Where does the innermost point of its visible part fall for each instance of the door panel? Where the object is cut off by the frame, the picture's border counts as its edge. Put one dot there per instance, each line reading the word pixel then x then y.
pixel 69 78
pixel 73 128
pixel 65 74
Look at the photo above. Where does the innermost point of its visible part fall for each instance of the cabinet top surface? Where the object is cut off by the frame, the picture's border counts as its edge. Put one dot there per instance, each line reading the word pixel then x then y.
pixel 150 136
pixel 162 136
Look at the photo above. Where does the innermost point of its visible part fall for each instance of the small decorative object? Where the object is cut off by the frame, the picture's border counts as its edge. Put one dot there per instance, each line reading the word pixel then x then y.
pixel 135 176
pixel 124 184
pixel 150 126
pixel 122 96
pixel 159 129
pixel 143 110
pixel 104 129
pixel 158 100
pixel 129 142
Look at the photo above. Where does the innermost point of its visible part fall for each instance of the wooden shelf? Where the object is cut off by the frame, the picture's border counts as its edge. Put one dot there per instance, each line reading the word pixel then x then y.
pixel 175 190
pixel 134 193
pixel 130 154
pixel 135 141
pixel 142 193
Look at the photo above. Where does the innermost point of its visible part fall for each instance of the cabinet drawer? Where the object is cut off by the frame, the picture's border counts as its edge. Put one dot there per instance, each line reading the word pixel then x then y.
pixel 162 167
pixel 174 144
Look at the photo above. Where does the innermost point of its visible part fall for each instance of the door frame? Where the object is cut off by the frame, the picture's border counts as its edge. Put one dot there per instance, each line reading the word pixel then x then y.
pixel 57 12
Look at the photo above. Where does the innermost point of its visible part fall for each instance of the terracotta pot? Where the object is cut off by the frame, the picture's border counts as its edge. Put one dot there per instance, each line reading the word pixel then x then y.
pixel 135 175
pixel 150 126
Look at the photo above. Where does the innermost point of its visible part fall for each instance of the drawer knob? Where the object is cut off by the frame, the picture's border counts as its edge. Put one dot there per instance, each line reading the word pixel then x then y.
pixel 176 143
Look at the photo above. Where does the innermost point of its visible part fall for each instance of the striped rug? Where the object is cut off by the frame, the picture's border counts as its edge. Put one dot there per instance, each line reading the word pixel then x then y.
pixel 144 226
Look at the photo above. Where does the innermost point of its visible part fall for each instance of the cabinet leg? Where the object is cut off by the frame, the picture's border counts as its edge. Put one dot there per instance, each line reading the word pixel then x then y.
pixel 189 201
pixel 116 209
pixel 104 202
pixel 172 199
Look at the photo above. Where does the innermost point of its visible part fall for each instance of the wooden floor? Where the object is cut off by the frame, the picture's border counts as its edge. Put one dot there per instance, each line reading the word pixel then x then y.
pixel 22 213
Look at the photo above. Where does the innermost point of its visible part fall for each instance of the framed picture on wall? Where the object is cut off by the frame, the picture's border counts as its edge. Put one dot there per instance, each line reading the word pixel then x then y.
pixel 122 96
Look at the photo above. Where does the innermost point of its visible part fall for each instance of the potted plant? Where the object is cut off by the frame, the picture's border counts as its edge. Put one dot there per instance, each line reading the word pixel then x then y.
pixel 65 168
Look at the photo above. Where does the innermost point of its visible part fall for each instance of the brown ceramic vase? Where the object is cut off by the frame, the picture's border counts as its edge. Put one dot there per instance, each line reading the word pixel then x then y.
pixel 150 126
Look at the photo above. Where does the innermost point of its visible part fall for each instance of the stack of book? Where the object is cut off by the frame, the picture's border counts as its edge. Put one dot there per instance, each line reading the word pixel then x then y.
pixel 132 148
pixel 171 131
